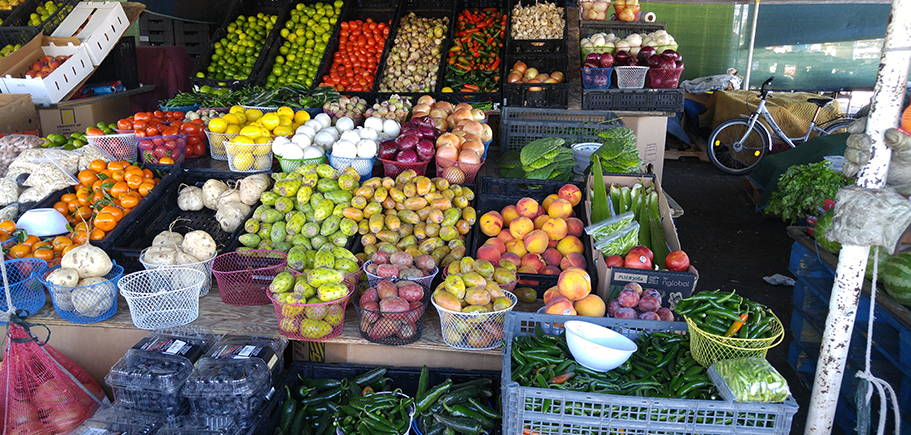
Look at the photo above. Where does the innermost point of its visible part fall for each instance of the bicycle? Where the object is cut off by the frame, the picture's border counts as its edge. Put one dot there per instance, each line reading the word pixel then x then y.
pixel 737 145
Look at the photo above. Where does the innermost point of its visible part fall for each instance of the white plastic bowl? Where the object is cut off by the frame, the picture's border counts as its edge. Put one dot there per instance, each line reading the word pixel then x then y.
pixel 596 347
pixel 42 222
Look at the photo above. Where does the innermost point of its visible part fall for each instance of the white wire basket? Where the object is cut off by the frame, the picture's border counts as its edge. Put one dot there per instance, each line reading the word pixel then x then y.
pixel 116 146
pixel 217 144
pixel 162 298
pixel 373 279
pixel 249 157
pixel 204 266
pixel 473 331
pixel 631 77
pixel 582 153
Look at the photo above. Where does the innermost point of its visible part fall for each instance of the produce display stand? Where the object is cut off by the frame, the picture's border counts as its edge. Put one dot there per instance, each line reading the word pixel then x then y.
pixel 815 271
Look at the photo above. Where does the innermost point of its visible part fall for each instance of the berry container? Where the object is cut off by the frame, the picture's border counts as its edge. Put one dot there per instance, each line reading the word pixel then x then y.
pixel 265 350
pixel 228 386
pixel 150 381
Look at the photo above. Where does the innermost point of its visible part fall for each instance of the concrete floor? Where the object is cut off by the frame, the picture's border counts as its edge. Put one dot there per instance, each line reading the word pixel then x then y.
pixel 734 247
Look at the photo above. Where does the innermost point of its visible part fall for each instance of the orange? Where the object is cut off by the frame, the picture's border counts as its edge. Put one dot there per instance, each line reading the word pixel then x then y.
pixel 117 175
pixel 81 226
pixel 96 234
pixel 68 249
pixel 129 200
pixel 147 173
pixel 42 245
pixel 29 241
pixel 133 181
pixel 115 166
pixel 145 188
pixel 87 177
pixel 61 242
pixel 104 222
pixel 8 226
pixel 166 161
pixel 20 251
pixel 84 213
pixel 79 238
pixel 98 165
pixel 44 254
pixel 68 197
pixel 113 211
pixel 119 189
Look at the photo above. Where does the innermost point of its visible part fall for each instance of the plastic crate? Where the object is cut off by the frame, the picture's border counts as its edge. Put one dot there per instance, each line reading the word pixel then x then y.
pixel 620 28
pixel 544 95
pixel 17 35
pixel 536 46
pixel 120 64
pixel 519 126
pixel 246 8
pixel 20 16
pixel 495 98
pixel 496 193
pixel 573 412
pixel 159 216
pixel 405 378
pixel 169 180
pixel 645 100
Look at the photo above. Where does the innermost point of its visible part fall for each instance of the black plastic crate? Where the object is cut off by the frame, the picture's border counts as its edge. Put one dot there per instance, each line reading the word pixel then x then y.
pixel 544 95
pixel 421 12
pixel 120 64
pixel 185 31
pixel 159 216
pixel 246 8
pixel 169 180
pixel 642 100
pixel 405 378
pixel 537 46
pixel 206 165
pixel 457 97
pixel 496 193
pixel 263 74
pixel 519 126
pixel 17 35
pixel 20 16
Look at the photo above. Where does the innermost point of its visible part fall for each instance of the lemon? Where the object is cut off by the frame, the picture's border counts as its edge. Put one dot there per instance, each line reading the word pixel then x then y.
pixel 243 161
pixel 285 110
pixel 263 162
pixel 262 149
pixel 232 118
pixel 262 139
pixel 217 125
pixel 232 129
pixel 253 114
pixel 301 116
pixel 270 120
pixel 236 109
pixel 251 131
pixel 241 117
pixel 285 120
pixel 243 140
pixel 282 130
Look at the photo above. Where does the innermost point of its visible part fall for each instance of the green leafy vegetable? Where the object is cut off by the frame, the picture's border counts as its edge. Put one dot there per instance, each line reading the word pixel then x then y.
pixel 802 187
pixel 536 149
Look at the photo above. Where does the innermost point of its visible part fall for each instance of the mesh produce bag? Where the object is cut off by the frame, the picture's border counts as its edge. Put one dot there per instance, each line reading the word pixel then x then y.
pixel 42 392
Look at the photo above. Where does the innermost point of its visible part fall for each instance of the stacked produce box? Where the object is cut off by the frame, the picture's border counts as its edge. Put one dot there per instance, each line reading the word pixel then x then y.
pixel 537 55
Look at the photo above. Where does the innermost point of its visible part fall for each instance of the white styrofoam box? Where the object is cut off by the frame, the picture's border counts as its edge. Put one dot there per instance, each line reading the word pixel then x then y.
pixel 99 25
pixel 60 82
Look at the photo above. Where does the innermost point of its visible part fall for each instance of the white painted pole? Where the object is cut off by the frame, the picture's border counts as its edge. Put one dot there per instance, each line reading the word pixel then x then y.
pixel 852 261
pixel 746 77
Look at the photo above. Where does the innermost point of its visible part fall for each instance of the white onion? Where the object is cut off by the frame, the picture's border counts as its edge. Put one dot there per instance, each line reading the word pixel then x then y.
pixel 367 133
pixel 374 122
pixel 313 152
pixel 392 127
pixel 344 148
pixel 323 139
pixel 314 124
pixel 366 149
pixel 300 140
pixel 292 152
pixel 634 40
pixel 598 40
pixel 306 130
pixel 350 136
pixel 324 120
pixel 344 124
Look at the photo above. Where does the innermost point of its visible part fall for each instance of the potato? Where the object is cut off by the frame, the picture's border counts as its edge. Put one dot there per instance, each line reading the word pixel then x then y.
pixel 411 291
pixel 386 289
pixel 63 298
pixel 230 195
pixel 231 215
pixel 160 255
pixel 199 244
pixel 94 300
pixel 210 192
pixel 189 198
pixel 182 257
pixel 252 187
pixel 88 261
pixel 64 277
pixel 394 305
pixel 167 238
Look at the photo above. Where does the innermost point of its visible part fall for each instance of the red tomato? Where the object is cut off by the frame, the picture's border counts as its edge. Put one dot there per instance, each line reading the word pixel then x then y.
pixel 140 125
pixel 190 128
pixel 152 131
pixel 170 131
pixel 142 116
pixel 124 124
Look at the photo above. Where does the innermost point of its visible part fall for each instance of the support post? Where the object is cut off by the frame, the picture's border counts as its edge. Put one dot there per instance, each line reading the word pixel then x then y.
pixel 749 69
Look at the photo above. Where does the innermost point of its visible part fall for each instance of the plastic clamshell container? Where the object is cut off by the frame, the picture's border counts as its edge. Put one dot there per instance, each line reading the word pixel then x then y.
pixel 725 391
pixel 196 336
pixel 109 421
pixel 150 381
pixel 201 425
pixel 228 386
pixel 254 349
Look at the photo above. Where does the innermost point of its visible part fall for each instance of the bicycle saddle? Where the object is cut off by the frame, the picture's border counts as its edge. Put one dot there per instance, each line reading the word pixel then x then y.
pixel 821 102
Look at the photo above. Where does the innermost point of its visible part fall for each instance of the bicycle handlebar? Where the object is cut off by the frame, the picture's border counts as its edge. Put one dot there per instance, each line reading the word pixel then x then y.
pixel 763 93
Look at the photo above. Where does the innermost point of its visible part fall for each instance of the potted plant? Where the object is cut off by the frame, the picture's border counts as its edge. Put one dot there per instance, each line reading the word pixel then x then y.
pixel 803 189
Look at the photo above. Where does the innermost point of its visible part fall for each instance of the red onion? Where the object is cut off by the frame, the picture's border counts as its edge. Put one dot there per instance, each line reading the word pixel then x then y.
pixel 426 132
pixel 607 60
pixel 620 58
pixel 388 149
pixel 600 80
pixel 408 156
pixel 590 64
pixel 407 141
pixel 666 63
pixel 653 60
pixel 673 55
pixel 425 150
pixel 594 57
pixel 423 121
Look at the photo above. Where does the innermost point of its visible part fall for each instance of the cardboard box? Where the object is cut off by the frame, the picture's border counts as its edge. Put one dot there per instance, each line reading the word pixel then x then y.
pixel 98 25
pixel 60 83
pixel 17 114
pixel 69 117
pixel 650 133
pixel 672 281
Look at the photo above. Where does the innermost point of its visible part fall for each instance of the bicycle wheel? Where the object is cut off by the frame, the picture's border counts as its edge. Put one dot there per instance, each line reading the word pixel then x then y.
pixel 730 154
pixel 839 126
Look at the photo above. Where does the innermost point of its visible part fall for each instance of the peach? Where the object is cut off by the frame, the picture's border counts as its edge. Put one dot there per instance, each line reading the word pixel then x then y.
pixel 560 305
pixel 521 226
pixel 553 244
pixel 527 270
pixel 509 213
pixel 540 221
pixel 552 257
pixel 574 283
pixel 550 198
pixel 550 294
pixel 591 305
pixel 550 270
pixel 536 241
pixel 555 228
pixel 570 193
pixel 572 259
pixel 560 208
pixel 533 260
pixel 512 258
pixel 501 245
pixel 541 211
pixel 570 244
pixel 505 235
pixel 516 247
pixel 490 253
pixel 491 223
pixel 574 227
pixel 527 207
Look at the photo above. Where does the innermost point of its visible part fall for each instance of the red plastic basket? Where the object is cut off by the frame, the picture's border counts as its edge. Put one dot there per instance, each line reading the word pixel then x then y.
pixel 243 277
pixel 667 78
pixel 291 315
pixel 457 172
pixel 392 168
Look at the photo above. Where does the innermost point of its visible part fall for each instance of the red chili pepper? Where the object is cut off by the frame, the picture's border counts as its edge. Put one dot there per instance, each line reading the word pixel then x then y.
pixel 559 379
